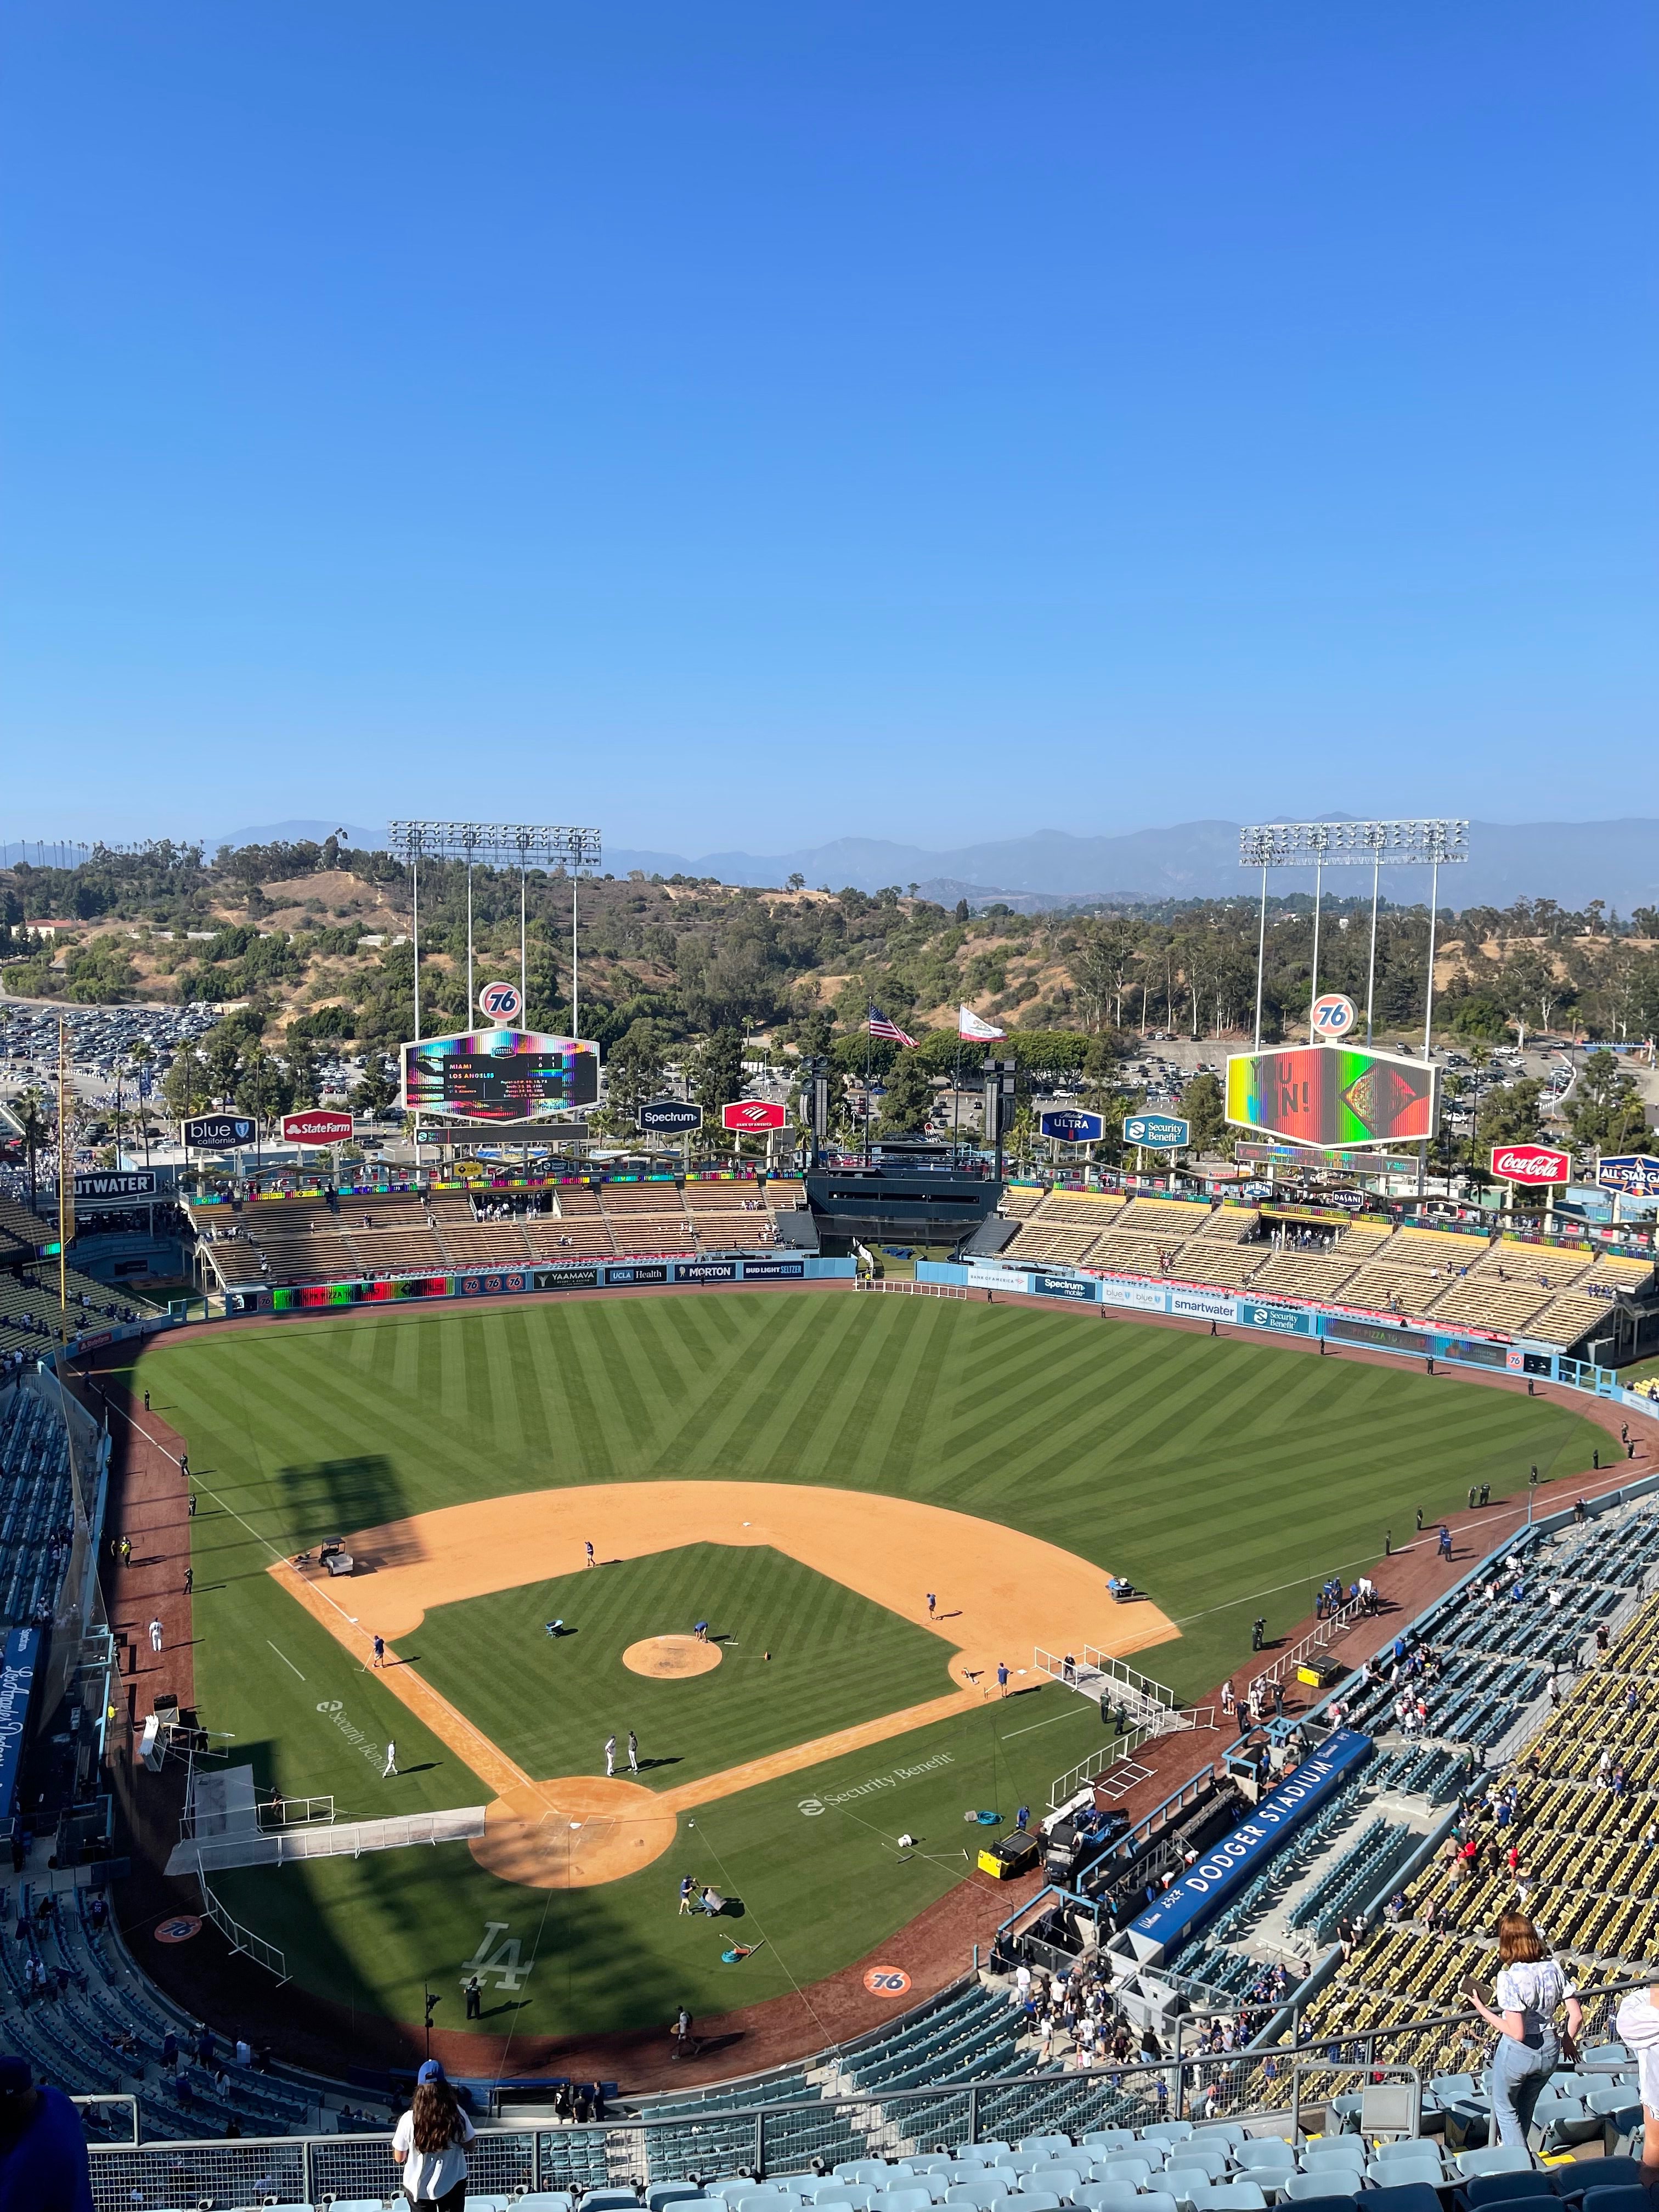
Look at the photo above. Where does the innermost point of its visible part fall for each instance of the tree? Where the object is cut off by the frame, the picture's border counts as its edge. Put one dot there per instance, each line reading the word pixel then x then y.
pixel 266 1088
pixel 1606 1113
pixel 1202 1105
pixel 909 1098
pixel 32 1123
pixel 717 1079
pixel 1509 1116
pixel 795 882
pixel 375 1087
pixel 634 1069
pixel 185 1087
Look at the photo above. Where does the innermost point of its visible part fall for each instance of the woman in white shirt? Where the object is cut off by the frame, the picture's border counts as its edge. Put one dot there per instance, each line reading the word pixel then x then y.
pixel 1637 2028
pixel 429 2142
pixel 1530 1991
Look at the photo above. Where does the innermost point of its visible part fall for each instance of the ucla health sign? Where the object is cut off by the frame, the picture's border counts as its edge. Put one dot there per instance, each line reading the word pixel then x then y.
pixel 1206 1888
pixel 1072 1125
pixel 1159 1132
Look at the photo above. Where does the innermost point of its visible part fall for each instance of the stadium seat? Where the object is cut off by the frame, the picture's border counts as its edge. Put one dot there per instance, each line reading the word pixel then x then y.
pixel 1124 2165
pixel 1625 2199
pixel 555 2200
pixel 1573 2182
pixel 1045 2145
pixel 980 2194
pixel 1403 2197
pixel 1495 2158
pixel 1265 2154
pixel 1027 2200
pixel 1221 2131
pixel 1214 2160
pixel 1604 2058
pixel 624 2200
pixel 1422 2166
pixel 1333 2150
pixel 1230 2197
pixel 1108 2197
pixel 1323 2190
pixel 669 2192
pixel 1155 2200
pixel 1187 2183
pixel 1167 2131
pixel 1064 2180
pixel 872 2169
pixel 1101 2139
pixel 910 2196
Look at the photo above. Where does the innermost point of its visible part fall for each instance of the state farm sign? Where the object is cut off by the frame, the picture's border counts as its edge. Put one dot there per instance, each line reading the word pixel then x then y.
pixel 1531 1164
pixel 752 1114
pixel 316 1128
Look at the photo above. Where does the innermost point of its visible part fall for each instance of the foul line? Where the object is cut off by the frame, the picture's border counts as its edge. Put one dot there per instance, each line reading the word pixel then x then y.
pixel 1035 1725
pixel 283 1656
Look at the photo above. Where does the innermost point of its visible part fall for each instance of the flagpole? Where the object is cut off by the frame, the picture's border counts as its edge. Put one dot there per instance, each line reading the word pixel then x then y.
pixel 869 1017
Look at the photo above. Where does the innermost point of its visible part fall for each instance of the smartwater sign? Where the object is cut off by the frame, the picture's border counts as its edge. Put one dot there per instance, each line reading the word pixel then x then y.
pixel 1204 1305
pixel 1187 1903
pixel 22 1652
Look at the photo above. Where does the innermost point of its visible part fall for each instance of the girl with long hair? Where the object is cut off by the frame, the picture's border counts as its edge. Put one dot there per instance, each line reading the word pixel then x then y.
pixel 429 2142
pixel 1530 1991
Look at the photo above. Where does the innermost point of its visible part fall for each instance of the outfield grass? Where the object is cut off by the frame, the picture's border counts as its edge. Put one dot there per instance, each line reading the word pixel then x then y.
pixel 1228 1477
pixel 836 1659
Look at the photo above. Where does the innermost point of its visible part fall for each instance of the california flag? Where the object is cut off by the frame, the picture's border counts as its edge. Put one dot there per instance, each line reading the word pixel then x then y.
pixel 969 1024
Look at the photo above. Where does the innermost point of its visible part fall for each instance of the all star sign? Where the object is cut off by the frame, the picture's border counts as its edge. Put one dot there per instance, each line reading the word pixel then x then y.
pixel 1532 1164
pixel 316 1128
pixel 1636 1173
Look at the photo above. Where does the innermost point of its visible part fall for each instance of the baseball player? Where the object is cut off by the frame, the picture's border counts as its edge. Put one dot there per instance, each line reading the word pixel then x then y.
pixel 390 1767
pixel 933 1605
pixel 589 1549
pixel 379 1652
pixel 155 1636
pixel 633 1753
pixel 611 1754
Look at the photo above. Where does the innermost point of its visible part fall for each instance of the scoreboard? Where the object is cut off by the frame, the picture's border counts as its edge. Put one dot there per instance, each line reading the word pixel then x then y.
pixel 1334 1095
pixel 500 1075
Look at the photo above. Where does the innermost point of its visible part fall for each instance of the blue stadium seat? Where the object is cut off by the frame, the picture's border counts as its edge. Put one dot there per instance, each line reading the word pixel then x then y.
pixel 1485 2188
pixel 1618 2200
pixel 1323 2190
pixel 1403 2197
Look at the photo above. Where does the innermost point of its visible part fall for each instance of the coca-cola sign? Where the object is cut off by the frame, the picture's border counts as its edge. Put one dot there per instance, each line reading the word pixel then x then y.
pixel 316 1128
pixel 1531 1164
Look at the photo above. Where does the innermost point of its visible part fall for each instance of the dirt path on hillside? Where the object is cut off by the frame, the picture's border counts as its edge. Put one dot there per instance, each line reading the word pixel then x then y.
pixel 1000 1595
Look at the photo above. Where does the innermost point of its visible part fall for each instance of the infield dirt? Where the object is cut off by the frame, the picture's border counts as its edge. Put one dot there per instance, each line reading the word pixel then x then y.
pixel 999 1595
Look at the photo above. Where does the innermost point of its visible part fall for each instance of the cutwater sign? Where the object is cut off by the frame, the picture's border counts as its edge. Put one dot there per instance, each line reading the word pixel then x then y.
pixel 1159 1132
pixel 1072 1126
pixel 1205 1887
pixel 113 1185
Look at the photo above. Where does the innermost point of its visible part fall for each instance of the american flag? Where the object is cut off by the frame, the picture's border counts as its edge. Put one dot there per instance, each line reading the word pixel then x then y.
pixel 881 1027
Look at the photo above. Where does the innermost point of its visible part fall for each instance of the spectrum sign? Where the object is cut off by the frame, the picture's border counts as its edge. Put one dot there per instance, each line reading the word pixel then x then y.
pixel 1334 1095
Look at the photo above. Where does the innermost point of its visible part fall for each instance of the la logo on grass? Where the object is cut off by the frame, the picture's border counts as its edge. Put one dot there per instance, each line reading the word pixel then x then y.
pixel 507 1963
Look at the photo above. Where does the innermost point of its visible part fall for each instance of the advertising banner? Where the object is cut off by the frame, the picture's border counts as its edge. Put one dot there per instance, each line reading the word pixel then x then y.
pixel 1334 1095
pixel 317 1127
pixel 1144 1297
pixel 1159 1132
pixel 1204 1305
pixel 1637 1173
pixel 492 1284
pixel 645 1271
pixel 704 1271
pixel 500 1075
pixel 1283 1321
pixel 500 1002
pixel 754 1270
pixel 998 1279
pixel 752 1114
pixel 113 1185
pixel 1531 1165
pixel 218 1133
pixel 22 1652
pixel 1205 1887
pixel 567 1279
pixel 669 1116
pixel 1065 1286
pixel 1333 1016
pixel 1072 1125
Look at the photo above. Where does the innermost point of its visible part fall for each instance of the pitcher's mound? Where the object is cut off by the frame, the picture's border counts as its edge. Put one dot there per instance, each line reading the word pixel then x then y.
pixel 672 1655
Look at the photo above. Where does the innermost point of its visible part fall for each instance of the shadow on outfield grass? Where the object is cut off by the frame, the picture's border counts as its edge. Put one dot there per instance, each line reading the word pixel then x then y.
pixel 334 1497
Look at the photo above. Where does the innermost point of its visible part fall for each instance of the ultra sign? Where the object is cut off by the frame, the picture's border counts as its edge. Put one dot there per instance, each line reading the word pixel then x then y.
pixel 1072 1126
pixel 1159 1132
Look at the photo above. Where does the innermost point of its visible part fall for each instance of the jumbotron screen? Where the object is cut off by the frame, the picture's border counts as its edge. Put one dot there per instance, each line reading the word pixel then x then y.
pixel 500 1075
pixel 1333 1094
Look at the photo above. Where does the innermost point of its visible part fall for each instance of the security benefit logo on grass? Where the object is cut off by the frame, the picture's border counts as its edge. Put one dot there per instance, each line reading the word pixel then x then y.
pixel 812 1807
pixel 500 1956
pixel 332 1710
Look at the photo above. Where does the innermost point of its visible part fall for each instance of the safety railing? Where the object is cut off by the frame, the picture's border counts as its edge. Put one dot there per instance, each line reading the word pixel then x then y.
pixel 240 1939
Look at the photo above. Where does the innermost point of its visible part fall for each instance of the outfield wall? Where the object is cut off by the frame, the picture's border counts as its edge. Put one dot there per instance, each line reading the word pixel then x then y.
pixel 667 1273
pixel 1286 1316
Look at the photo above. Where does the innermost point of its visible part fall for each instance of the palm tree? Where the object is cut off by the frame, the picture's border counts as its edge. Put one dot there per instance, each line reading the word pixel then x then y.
pixel 34 1129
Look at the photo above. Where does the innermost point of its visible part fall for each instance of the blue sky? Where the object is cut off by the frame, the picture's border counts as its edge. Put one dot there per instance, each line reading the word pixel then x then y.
pixel 743 425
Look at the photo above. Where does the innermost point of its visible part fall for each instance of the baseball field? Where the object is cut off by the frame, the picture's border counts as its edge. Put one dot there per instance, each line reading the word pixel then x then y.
pixel 773 1488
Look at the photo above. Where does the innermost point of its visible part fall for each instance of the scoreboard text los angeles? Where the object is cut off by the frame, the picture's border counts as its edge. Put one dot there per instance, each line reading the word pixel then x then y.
pixel 500 1075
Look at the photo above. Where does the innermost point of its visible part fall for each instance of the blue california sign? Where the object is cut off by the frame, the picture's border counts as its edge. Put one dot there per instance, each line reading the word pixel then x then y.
pixel 1072 1125
pixel 1159 1132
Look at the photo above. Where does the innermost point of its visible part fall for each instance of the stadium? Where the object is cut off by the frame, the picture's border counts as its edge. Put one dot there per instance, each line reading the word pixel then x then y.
pixel 863 1674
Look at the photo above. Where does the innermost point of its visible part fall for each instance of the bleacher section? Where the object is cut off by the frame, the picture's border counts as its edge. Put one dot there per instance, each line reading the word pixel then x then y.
pixel 37 1506
pixel 30 1316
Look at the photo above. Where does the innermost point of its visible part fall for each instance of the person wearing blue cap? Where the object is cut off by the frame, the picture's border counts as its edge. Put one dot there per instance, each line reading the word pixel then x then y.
pixel 42 2146
pixel 429 2143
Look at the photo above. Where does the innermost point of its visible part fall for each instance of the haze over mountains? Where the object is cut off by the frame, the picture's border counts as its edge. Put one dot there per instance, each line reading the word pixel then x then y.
pixel 1570 862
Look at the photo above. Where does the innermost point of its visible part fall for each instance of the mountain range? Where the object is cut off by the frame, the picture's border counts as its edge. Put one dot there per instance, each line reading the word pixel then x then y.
pixel 1570 862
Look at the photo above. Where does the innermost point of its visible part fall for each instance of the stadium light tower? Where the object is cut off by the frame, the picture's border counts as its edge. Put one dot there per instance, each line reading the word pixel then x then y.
pixel 1429 844
pixel 523 845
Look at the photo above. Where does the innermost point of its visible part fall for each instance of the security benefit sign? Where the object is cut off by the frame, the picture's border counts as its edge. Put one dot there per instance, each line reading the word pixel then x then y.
pixel 1157 1133
pixel 500 1075
pixel 1333 1094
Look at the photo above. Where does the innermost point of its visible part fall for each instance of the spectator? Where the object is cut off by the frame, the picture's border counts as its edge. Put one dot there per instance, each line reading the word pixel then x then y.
pixel 429 2142
pixel 1637 2028
pixel 1530 1991
pixel 42 2146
